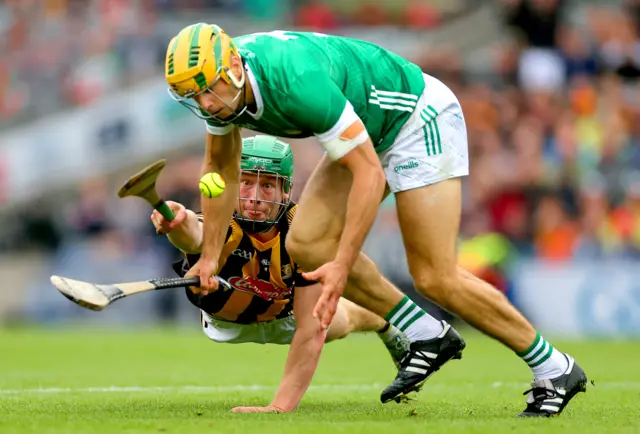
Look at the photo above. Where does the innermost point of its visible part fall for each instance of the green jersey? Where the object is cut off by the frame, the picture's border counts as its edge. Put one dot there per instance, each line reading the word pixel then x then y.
pixel 309 84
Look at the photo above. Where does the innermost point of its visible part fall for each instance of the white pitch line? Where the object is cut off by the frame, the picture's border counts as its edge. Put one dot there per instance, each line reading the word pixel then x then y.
pixel 191 389
pixel 632 385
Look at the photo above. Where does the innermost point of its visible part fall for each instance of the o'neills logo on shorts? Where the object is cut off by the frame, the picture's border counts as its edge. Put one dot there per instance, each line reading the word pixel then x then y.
pixel 410 165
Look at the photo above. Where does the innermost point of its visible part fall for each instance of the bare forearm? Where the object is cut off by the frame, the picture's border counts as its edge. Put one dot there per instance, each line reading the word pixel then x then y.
pixel 187 237
pixel 362 205
pixel 217 212
pixel 302 362
pixel 223 157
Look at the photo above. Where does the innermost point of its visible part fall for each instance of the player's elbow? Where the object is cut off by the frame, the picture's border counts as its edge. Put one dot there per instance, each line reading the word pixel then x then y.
pixel 226 164
pixel 231 172
pixel 223 156
pixel 194 247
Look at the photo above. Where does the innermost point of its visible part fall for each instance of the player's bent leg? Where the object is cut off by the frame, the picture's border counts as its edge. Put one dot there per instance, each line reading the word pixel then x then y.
pixel 316 230
pixel 431 253
pixel 351 318
pixel 313 241
pixel 423 169
pixel 317 227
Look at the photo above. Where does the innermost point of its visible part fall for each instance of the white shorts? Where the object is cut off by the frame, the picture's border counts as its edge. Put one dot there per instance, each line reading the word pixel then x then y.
pixel 432 145
pixel 279 331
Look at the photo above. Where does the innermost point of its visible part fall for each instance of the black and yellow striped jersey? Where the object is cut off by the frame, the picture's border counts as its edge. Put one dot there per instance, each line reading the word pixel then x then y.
pixel 263 277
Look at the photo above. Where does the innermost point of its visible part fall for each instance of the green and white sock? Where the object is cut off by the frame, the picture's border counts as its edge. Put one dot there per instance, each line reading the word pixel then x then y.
pixel 544 360
pixel 414 322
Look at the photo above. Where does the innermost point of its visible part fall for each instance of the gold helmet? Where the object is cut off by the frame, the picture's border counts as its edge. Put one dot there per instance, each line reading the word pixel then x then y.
pixel 197 57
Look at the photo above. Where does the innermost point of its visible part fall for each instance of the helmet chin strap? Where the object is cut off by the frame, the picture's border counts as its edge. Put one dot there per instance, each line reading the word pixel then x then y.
pixel 243 89
pixel 243 106
pixel 245 83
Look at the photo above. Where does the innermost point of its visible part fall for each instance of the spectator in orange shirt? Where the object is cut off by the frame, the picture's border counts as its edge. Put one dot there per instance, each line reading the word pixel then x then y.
pixel 555 233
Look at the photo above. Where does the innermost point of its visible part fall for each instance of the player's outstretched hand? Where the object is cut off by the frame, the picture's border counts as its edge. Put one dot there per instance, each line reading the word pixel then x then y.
pixel 267 409
pixel 333 276
pixel 206 270
pixel 164 226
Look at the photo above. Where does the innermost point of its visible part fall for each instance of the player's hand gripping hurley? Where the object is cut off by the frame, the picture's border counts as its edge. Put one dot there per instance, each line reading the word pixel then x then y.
pixel 97 297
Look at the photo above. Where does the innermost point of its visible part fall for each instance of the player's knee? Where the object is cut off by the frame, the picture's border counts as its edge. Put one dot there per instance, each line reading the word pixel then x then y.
pixel 335 336
pixel 306 251
pixel 296 247
pixel 341 325
pixel 438 286
pixel 337 331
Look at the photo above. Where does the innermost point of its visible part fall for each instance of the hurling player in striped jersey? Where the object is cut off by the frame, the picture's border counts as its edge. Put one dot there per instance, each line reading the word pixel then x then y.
pixel 270 301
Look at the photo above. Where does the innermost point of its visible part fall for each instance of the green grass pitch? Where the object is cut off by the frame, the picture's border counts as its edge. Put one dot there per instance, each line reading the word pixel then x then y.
pixel 176 381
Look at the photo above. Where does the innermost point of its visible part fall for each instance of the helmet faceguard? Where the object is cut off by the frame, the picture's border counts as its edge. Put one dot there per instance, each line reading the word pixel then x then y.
pixel 197 58
pixel 266 156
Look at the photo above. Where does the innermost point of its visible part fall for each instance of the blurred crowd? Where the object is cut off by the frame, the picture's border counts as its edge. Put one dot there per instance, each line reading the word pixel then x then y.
pixel 554 138
pixel 553 127
pixel 59 53
pixel 65 53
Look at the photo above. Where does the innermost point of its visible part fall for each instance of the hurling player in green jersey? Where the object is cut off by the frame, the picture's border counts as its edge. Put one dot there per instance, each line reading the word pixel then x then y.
pixel 382 122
